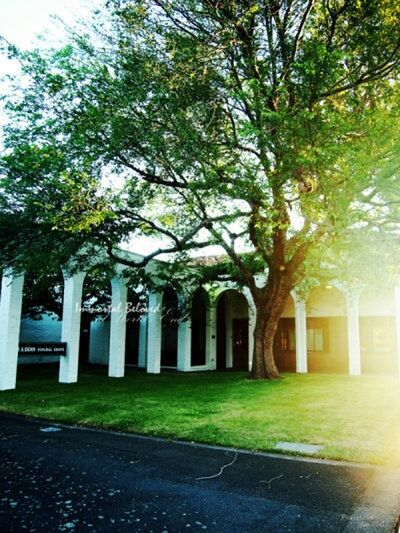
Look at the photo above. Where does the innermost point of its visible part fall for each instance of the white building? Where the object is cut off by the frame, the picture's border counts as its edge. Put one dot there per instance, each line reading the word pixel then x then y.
pixel 336 328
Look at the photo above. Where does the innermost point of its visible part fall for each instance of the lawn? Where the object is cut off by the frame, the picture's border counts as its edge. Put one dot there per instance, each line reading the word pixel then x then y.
pixel 354 418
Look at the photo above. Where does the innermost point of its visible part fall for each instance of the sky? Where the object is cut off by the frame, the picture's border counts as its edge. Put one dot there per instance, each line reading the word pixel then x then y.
pixel 22 20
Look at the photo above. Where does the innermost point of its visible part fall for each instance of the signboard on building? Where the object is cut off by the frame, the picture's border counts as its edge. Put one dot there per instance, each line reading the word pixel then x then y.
pixel 33 349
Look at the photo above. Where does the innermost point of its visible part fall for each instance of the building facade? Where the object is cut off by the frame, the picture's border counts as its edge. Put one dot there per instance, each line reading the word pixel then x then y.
pixel 336 328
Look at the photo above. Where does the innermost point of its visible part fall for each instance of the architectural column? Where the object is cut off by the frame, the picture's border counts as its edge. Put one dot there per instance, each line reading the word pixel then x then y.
pixel 301 333
pixel 252 314
pixel 116 358
pixel 142 341
pixel 10 322
pixel 184 344
pixel 397 316
pixel 353 333
pixel 71 326
pixel 154 333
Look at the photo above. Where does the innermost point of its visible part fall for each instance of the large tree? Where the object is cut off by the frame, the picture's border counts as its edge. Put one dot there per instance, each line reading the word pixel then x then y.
pixel 265 127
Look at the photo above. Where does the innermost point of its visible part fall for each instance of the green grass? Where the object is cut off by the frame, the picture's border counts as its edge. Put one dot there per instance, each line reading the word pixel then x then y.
pixel 354 418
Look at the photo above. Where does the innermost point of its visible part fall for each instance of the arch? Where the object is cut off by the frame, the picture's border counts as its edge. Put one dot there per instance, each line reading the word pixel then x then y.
pixel 232 330
pixel 95 316
pixel 327 340
pixel 41 314
pixel 169 328
pixel 135 311
pixel 198 315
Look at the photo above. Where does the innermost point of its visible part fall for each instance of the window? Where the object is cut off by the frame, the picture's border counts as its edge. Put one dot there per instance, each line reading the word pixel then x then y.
pixel 315 339
pixel 288 336
pixel 317 335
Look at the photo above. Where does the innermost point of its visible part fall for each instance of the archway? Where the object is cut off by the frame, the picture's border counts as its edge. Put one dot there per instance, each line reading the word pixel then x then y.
pixel 327 346
pixel 200 304
pixel 133 316
pixel 41 314
pixel 169 328
pixel 94 338
pixel 232 331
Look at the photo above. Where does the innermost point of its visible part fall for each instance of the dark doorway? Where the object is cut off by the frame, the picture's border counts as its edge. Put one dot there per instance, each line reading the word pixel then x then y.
pixel 285 345
pixel 221 334
pixel 132 329
pixel 240 344
pixel 84 339
pixel 170 320
pixel 199 318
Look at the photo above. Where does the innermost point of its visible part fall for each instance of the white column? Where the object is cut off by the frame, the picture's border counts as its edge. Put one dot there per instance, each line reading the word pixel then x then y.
pixel 10 321
pixel 252 327
pixel 142 341
pixel 116 358
pixel 154 333
pixel 252 317
pixel 397 314
pixel 184 344
pixel 211 337
pixel 71 327
pixel 301 333
pixel 353 333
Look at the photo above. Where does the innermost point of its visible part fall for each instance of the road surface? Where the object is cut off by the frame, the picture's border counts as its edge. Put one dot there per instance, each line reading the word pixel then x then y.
pixel 58 478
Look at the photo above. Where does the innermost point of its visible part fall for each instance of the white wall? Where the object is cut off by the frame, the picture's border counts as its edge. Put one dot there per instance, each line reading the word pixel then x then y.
pixel 47 329
pixel 326 302
pixel 99 342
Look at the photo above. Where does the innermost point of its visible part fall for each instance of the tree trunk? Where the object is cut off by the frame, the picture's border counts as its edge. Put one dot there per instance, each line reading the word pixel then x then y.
pixel 268 315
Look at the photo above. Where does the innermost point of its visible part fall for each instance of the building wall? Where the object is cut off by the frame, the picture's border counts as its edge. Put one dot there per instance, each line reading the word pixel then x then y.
pixel 331 354
pixel 99 342
pixel 326 310
pixel 324 302
pixel 48 329
pixel 378 345
pixel 327 345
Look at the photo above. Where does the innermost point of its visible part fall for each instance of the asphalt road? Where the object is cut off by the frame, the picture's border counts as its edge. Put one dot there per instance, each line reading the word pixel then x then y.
pixel 84 480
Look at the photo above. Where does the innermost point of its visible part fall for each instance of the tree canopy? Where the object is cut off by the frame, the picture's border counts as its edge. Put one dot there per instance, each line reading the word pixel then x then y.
pixel 266 128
